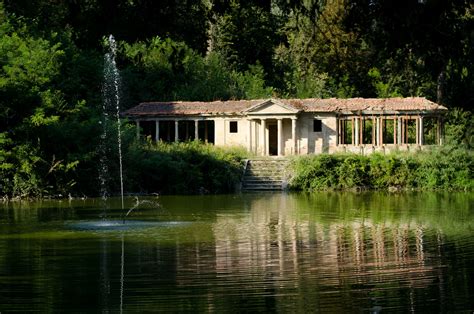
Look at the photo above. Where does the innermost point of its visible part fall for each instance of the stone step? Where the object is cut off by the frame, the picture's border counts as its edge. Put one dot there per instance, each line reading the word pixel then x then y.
pixel 263 181
pixel 252 183
pixel 264 174
pixel 268 161
pixel 264 170
pixel 263 187
pixel 268 164
pixel 266 167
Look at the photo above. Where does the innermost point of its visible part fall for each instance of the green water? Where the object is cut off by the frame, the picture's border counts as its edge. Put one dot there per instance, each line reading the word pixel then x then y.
pixel 325 252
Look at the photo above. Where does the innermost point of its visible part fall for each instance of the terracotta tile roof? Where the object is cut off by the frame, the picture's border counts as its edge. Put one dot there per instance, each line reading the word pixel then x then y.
pixel 236 107
pixel 365 104
pixel 191 107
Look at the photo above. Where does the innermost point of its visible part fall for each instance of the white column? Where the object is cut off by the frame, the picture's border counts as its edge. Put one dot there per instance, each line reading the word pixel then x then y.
pixel 293 135
pixel 279 144
pixel 262 137
pixel 249 139
pixel 267 144
pixel 176 137
pixel 417 131
pixel 381 128
pixel 399 131
pixel 196 130
pixel 137 123
pixel 356 132
pixel 157 131
pixel 421 131
pixel 379 132
pixel 374 131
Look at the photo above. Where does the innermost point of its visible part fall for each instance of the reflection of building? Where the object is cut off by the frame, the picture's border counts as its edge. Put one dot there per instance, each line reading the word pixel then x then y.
pixel 296 126
pixel 273 241
pixel 295 253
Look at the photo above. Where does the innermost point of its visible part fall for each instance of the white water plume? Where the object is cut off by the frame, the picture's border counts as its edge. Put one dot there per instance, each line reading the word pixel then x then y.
pixel 111 107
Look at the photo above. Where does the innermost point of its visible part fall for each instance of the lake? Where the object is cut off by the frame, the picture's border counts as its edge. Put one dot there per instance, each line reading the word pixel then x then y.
pixel 266 252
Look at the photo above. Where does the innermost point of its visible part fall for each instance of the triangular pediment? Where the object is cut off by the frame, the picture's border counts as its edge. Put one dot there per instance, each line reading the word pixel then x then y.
pixel 271 107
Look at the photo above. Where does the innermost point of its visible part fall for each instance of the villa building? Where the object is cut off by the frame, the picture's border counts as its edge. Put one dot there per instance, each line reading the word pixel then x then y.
pixel 281 127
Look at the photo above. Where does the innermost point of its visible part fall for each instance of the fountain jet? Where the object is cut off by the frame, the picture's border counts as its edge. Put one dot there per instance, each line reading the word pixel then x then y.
pixel 111 101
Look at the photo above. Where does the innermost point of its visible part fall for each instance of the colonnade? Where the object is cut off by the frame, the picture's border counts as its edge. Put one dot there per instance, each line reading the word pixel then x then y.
pixel 176 128
pixel 400 130
pixel 273 134
pixel 259 135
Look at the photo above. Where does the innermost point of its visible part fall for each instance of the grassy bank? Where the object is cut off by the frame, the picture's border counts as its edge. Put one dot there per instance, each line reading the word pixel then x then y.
pixel 443 169
pixel 182 168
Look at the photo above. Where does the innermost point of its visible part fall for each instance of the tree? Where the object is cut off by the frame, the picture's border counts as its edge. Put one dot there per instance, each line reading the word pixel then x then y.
pixel 245 33
pixel 425 46
pixel 127 20
pixel 320 43
pixel 37 108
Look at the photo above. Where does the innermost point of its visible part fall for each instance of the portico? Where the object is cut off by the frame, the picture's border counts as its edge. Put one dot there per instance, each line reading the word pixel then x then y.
pixel 272 128
pixel 272 136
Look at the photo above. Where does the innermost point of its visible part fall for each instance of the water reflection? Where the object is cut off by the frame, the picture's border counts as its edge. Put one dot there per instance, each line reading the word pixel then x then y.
pixel 332 252
pixel 336 256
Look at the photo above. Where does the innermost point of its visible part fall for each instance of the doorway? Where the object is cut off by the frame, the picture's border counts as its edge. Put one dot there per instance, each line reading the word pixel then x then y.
pixel 273 139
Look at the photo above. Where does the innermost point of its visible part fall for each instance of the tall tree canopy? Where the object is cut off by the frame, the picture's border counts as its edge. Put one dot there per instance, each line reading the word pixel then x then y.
pixel 52 57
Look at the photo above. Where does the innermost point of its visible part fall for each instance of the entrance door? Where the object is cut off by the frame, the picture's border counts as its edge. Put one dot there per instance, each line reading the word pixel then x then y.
pixel 273 139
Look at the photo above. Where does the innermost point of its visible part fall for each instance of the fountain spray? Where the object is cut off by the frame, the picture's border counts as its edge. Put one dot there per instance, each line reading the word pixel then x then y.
pixel 112 99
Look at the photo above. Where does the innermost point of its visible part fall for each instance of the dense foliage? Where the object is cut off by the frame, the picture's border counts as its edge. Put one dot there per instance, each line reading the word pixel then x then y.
pixel 183 168
pixel 447 169
pixel 51 57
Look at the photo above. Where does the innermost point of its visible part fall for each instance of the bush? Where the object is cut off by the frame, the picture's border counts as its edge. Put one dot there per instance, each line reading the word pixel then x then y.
pixel 444 168
pixel 353 172
pixel 190 167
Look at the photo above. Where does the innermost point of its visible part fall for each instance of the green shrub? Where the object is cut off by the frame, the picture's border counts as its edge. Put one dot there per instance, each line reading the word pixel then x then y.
pixel 315 172
pixel 443 168
pixel 354 172
pixel 190 167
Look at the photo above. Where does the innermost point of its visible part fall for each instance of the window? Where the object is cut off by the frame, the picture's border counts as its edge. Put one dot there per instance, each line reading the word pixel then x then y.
pixel 317 125
pixel 233 127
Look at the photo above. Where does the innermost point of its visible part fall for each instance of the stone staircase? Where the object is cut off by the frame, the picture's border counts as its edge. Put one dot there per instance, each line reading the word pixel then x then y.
pixel 264 175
